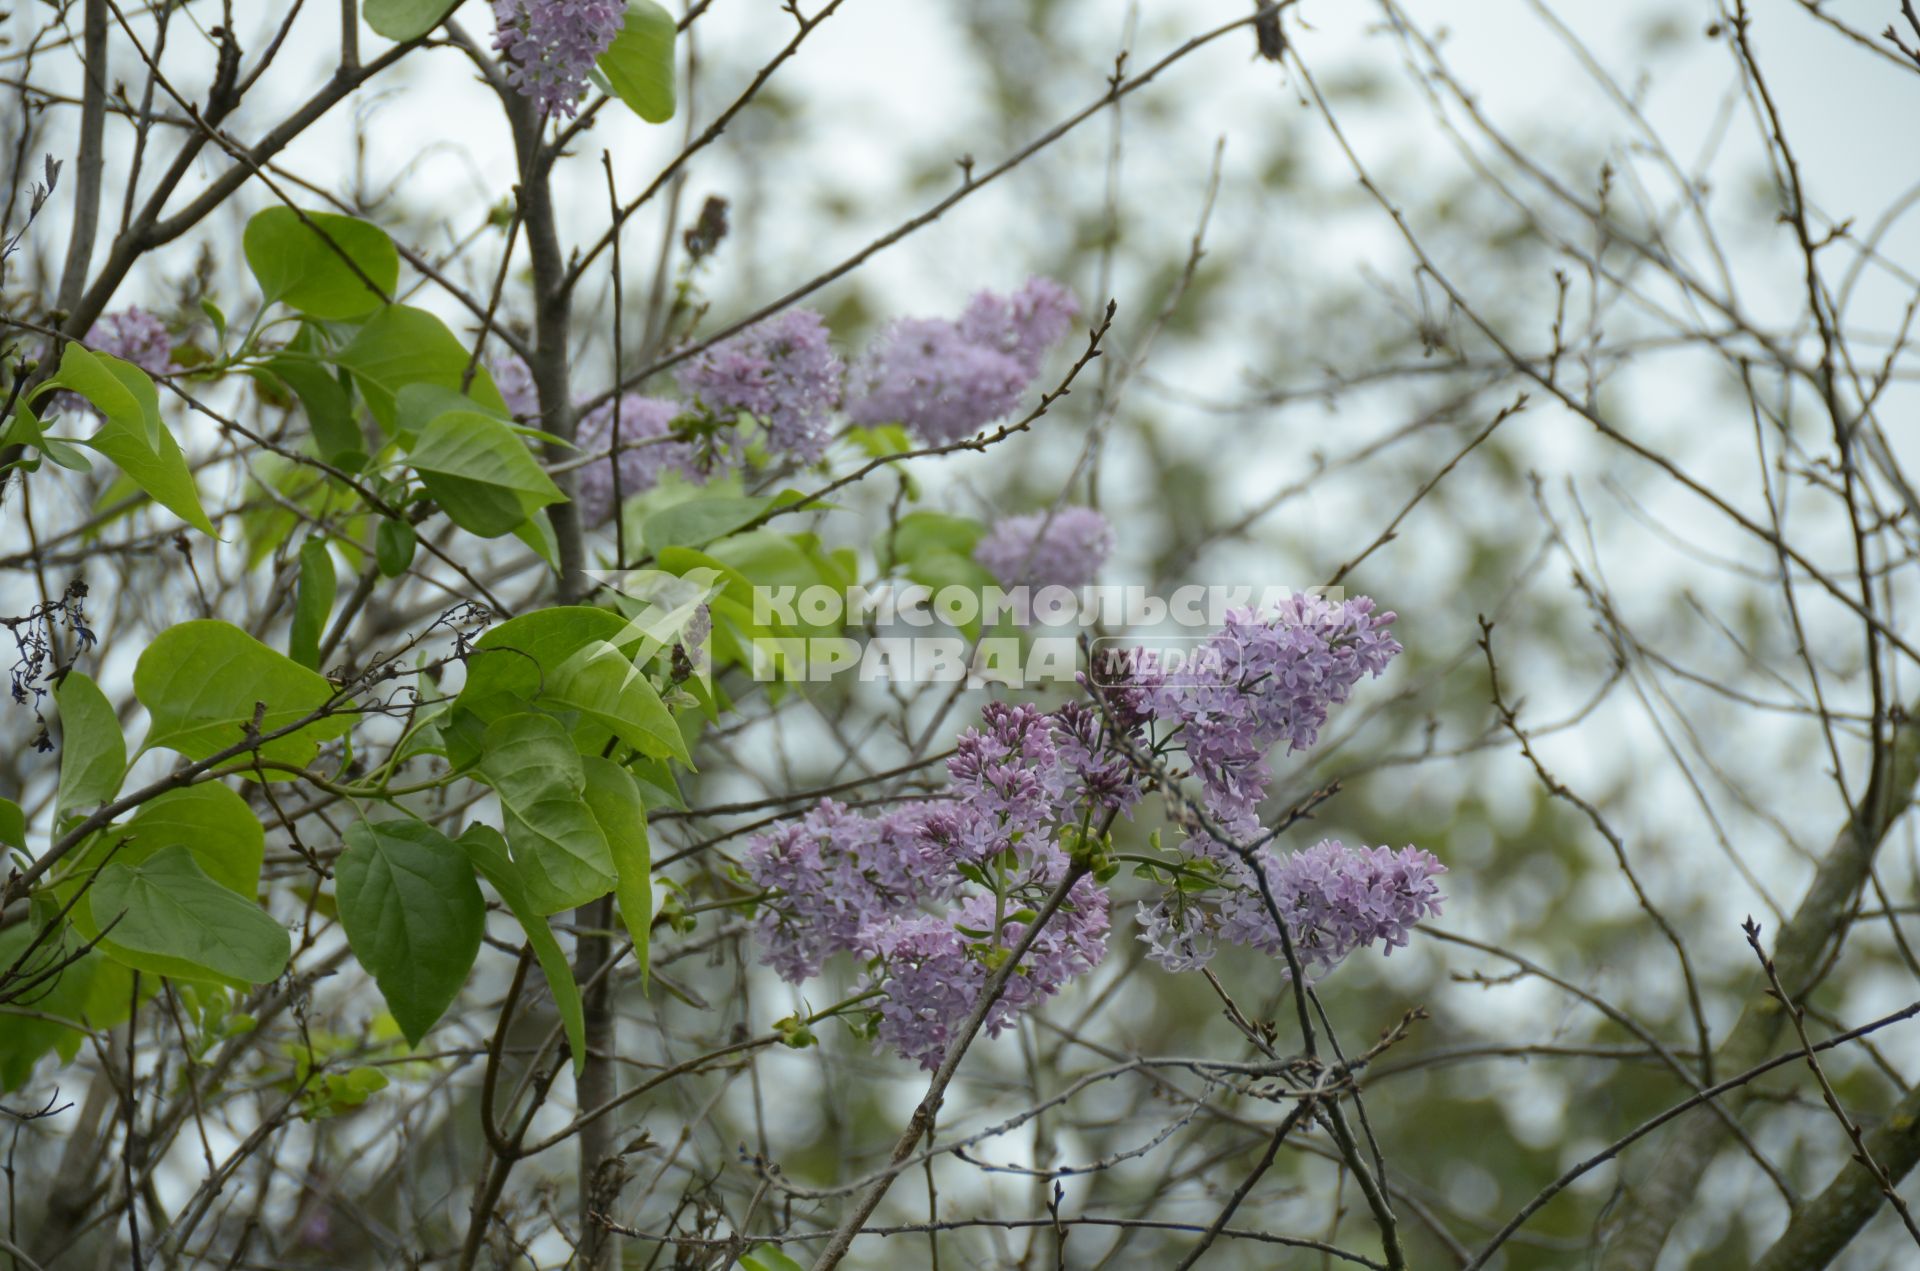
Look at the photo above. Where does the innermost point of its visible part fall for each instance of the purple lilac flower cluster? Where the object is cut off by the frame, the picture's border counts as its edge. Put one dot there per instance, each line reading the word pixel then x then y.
pixel 550 45
pixel 929 896
pixel 781 370
pixel 646 423
pixel 1333 898
pixel 1267 678
pixel 945 379
pixel 863 885
pixel 1064 548
pixel 133 335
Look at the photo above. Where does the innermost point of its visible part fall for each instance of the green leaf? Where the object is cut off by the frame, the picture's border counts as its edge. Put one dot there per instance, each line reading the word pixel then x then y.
pixel 639 63
pixel 488 852
pixel 327 401
pixel 93 751
pixel 302 258
pixel 937 569
pixel 122 392
pixel 393 546
pixel 769 1258
pixel 699 521
pixel 403 20
pixel 481 473
pixel 401 345
pixel 557 845
pixel 313 602
pixel 923 533
pixel 24 430
pixel 613 797
pixel 161 472
pixel 201 681
pixel 581 659
pixel 90 992
pixel 413 914
pixel 169 912
pixel 207 819
pixel 13 824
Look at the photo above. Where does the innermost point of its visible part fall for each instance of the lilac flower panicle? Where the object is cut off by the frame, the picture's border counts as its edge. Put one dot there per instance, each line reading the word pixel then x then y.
pixel 781 370
pixel 933 980
pixel 1335 900
pixel 946 380
pixel 642 419
pixel 550 45
pixel 133 335
pixel 1059 549
pixel 1023 325
pixel 1264 679
pixel 840 874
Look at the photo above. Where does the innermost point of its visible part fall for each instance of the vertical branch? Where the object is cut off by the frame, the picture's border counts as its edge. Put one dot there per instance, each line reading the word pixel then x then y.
pixel 86 195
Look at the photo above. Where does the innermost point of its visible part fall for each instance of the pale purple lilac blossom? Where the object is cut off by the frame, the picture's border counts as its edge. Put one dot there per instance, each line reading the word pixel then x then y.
pixel 947 380
pixel 642 419
pixel 905 892
pixel 1333 898
pixel 549 46
pixel 1266 679
pixel 1064 548
pixel 782 371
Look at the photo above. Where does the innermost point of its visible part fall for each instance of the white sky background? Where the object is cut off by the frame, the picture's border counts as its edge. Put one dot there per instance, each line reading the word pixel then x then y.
pixel 882 91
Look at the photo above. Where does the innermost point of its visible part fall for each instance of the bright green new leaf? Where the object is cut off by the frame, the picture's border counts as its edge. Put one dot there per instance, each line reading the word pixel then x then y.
pixel 93 751
pixel 768 1258
pixel 613 797
pixel 921 533
pixel 581 659
pixel 480 471
pixel 161 472
pixel 203 680
pixel 164 912
pixel 488 852
pixel 313 602
pixel 321 263
pixel 557 846
pixel 402 20
pixel 639 63
pixel 413 914
pixel 700 521
pixel 401 345
pixel 122 392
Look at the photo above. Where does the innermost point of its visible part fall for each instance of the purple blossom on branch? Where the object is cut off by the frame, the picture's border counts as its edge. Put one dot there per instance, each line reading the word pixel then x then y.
pixel 1064 548
pixel 133 335
pixel 947 380
pixel 936 969
pixel 550 45
pixel 1261 680
pixel 645 420
pixel 1334 899
pixel 782 371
